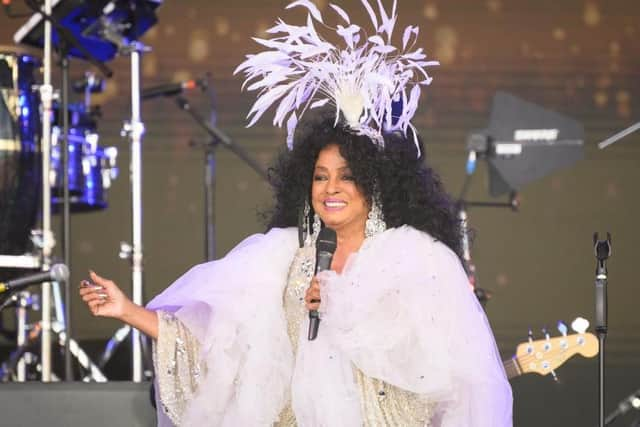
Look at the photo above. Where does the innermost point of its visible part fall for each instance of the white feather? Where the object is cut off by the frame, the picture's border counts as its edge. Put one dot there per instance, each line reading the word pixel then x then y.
pixel 301 70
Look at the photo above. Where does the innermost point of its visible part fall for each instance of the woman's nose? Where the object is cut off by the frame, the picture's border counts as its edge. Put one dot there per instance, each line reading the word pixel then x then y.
pixel 332 186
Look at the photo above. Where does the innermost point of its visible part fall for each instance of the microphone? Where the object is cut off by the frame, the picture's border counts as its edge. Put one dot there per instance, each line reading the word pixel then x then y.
pixel 325 247
pixel 58 273
pixel 630 402
pixel 171 89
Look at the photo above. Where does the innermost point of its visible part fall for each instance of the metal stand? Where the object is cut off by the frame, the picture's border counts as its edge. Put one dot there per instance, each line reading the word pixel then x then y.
pixel 628 403
pixel 21 300
pixel 134 130
pixel 603 252
pixel 607 142
pixel 66 40
pixel 218 138
pixel 66 214
pixel 209 200
pixel 28 335
pixel 46 94
pixel 462 205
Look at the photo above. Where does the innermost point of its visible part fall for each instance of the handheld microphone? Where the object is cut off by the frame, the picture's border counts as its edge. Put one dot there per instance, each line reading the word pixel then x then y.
pixel 171 89
pixel 58 273
pixel 325 247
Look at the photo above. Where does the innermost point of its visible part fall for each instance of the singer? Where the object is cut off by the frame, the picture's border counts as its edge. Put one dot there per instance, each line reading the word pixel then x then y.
pixel 401 341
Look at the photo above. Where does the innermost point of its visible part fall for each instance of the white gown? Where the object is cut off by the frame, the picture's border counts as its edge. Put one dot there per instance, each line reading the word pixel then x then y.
pixel 400 319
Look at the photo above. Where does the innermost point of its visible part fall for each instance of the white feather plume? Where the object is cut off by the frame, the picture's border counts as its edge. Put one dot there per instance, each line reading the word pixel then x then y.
pixel 362 79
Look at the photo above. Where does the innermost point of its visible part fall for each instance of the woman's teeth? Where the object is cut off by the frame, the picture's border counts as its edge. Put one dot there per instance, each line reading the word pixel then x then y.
pixel 334 204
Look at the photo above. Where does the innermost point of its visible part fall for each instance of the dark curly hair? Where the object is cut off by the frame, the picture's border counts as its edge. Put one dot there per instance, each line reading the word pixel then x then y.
pixel 410 192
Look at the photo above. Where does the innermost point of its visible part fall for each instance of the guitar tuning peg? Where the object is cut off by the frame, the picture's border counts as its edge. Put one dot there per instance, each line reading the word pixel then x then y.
pixel 545 333
pixel 555 377
pixel 562 328
pixel 530 335
pixel 580 325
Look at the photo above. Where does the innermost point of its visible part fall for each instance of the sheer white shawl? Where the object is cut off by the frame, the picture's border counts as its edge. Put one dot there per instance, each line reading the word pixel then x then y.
pixel 401 311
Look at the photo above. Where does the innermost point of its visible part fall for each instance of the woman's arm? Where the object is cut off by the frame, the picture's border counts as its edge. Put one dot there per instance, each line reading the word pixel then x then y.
pixel 104 298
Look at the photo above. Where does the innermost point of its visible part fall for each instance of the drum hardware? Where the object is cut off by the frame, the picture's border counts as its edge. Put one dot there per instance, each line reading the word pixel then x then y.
pixel 70 42
pixel 91 170
pixel 120 26
pixel 28 334
pixel 106 28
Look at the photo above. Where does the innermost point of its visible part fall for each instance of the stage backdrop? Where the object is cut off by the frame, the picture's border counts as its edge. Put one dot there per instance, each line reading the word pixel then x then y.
pixel 578 57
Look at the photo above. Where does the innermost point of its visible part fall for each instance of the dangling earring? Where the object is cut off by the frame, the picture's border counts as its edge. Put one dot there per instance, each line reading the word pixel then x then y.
pixel 311 233
pixel 375 220
pixel 316 226
pixel 303 224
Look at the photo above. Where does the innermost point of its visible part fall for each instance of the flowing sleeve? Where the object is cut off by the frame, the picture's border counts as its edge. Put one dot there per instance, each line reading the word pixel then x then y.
pixel 402 312
pixel 177 366
pixel 216 323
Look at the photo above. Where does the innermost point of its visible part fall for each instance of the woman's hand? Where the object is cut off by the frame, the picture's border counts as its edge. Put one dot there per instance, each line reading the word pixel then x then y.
pixel 312 296
pixel 104 298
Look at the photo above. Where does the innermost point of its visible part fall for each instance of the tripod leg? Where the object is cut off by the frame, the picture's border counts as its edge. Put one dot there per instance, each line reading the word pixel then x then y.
pixel 115 341
pixel 95 373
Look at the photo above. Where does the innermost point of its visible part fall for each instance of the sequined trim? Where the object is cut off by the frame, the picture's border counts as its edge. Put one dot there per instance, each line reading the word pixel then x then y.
pixel 176 358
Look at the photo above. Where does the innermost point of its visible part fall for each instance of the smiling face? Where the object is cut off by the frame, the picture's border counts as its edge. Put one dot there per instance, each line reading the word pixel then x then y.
pixel 334 194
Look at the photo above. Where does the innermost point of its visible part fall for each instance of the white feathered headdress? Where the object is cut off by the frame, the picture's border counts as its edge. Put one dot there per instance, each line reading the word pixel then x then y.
pixel 364 79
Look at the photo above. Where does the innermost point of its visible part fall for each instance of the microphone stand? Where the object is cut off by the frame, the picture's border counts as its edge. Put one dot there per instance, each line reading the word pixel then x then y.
pixel 462 205
pixel 607 142
pixel 218 138
pixel 603 252
pixel 66 214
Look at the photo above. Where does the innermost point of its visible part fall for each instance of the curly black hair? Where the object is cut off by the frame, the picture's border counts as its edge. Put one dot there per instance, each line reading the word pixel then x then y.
pixel 410 192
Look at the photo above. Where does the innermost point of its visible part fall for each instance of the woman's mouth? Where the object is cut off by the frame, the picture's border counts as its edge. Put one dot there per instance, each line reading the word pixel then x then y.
pixel 334 205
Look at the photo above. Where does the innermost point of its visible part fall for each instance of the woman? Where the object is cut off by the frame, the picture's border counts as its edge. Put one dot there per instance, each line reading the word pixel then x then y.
pixel 402 340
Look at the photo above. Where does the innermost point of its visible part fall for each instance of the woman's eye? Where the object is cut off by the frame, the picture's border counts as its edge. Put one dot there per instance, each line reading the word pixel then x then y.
pixel 319 177
pixel 348 177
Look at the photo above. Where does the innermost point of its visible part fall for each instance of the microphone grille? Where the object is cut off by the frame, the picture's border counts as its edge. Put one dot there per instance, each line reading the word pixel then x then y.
pixel 59 273
pixel 327 240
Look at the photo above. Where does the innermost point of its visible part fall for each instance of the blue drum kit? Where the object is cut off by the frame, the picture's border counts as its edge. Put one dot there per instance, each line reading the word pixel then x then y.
pixel 91 167
pixel 52 162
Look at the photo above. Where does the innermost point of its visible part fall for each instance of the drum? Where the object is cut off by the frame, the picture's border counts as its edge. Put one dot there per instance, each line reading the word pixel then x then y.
pixel 91 169
pixel 20 171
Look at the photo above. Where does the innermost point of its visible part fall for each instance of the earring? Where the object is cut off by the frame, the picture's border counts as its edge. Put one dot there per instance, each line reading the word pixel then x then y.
pixel 311 234
pixel 375 219
pixel 305 214
pixel 303 224
pixel 316 226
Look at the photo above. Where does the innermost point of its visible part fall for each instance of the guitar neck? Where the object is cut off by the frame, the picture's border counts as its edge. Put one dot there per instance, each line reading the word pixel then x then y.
pixel 511 368
pixel 543 356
